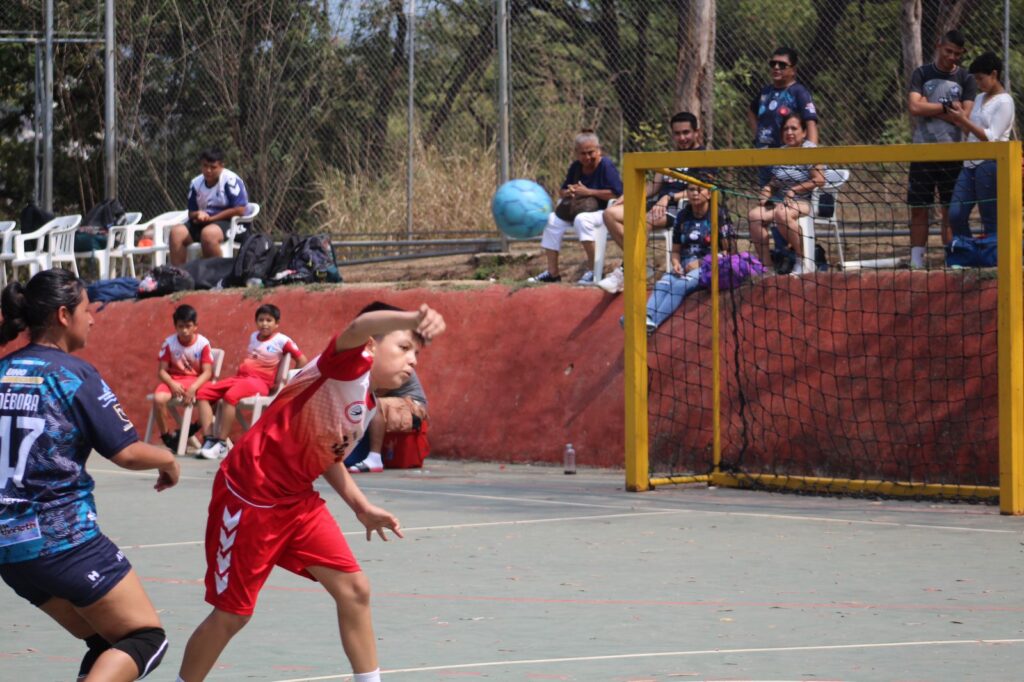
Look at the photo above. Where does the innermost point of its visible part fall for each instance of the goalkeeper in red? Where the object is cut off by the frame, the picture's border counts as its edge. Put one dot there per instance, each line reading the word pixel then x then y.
pixel 264 511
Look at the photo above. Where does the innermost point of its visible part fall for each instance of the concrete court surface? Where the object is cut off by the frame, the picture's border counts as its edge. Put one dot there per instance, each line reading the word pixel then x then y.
pixel 523 573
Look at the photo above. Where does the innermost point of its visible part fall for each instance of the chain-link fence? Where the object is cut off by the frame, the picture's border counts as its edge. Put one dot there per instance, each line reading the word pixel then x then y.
pixel 312 100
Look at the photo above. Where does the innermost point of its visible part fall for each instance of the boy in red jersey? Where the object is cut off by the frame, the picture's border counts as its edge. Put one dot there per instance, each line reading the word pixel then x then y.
pixel 264 510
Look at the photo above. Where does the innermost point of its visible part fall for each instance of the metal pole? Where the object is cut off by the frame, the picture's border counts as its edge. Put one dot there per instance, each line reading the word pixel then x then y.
pixel 48 111
pixel 37 129
pixel 109 109
pixel 411 120
pixel 504 160
pixel 1006 45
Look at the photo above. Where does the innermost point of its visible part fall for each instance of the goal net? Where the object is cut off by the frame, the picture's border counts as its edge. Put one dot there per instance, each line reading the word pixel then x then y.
pixel 854 363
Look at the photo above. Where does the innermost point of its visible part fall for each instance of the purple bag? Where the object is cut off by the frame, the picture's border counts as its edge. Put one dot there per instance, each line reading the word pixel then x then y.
pixel 733 269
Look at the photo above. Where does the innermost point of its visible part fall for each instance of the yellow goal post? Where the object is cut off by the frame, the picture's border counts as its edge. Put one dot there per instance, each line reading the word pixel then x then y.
pixel 1010 307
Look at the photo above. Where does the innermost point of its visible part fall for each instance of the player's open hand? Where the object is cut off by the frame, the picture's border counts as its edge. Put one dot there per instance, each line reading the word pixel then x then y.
pixel 377 519
pixel 168 476
pixel 430 324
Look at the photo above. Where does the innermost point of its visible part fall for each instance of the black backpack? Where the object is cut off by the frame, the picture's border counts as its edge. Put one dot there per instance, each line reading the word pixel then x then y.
pixel 253 260
pixel 305 260
pixel 165 279
pixel 102 217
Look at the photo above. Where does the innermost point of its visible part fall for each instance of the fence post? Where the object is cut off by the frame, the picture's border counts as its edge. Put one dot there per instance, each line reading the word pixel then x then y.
pixel 411 118
pixel 109 107
pixel 48 110
pixel 504 162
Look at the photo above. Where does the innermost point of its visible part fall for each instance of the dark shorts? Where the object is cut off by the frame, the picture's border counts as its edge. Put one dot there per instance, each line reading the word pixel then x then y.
pixel 196 229
pixel 82 575
pixel 928 178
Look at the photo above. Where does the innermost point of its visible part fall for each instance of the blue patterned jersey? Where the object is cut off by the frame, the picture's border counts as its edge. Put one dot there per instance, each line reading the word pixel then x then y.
pixel 54 410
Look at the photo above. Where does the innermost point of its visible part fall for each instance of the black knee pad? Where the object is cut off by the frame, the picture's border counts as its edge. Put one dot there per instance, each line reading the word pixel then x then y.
pixel 146 647
pixel 97 645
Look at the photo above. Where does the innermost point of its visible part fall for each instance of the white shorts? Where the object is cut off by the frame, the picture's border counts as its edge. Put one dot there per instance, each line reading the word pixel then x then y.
pixel 585 224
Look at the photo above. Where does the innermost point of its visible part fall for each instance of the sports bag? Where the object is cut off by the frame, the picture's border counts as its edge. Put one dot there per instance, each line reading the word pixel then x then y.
pixel 305 260
pixel 254 260
pixel 163 280
pixel 968 252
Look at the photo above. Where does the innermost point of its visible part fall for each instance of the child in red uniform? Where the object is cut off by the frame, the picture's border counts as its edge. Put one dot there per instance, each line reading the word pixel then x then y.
pixel 185 365
pixel 256 376
pixel 264 510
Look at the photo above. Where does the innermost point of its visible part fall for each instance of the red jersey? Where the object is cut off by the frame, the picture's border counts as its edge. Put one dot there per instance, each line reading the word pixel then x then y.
pixel 183 361
pixel 262 357
pixel 314 422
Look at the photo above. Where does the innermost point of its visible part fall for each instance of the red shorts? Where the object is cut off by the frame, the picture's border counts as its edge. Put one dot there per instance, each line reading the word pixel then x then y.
pixel 232 389
pixel 244 542
pixel 185 380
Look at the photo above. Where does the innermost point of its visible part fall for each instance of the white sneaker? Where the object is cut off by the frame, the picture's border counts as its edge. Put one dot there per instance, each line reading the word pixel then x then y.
pixel 216 450
pixel 615 282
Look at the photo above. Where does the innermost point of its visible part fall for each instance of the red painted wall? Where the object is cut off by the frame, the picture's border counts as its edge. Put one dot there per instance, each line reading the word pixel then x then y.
pixel 518 374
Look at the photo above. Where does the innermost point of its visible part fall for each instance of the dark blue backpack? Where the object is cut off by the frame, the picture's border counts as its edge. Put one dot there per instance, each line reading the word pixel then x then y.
pixel 107 290
pixel 305 260
pixel 968 252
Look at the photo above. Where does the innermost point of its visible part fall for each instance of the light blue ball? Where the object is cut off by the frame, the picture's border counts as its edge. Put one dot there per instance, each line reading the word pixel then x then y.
pixel 521 208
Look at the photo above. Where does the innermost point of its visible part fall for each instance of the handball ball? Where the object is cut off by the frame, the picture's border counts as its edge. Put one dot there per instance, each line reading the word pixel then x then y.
pixel 521 208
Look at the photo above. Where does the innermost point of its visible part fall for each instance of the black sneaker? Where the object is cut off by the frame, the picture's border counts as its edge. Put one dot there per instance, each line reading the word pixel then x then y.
pixel 545 278
pixel 171 439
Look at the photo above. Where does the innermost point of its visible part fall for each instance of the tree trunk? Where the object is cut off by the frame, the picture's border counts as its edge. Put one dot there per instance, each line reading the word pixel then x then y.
pixel 695 61
pixel 910 36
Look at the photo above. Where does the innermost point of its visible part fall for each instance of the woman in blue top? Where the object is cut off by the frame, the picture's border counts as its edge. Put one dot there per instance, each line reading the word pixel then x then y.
pixel 786 198
pixel 691 241
pixel 54 410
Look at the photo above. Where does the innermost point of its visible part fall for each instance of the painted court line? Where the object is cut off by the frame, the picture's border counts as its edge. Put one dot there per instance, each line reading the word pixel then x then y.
pixel 453 526
pixel 591 505
pixel 668 654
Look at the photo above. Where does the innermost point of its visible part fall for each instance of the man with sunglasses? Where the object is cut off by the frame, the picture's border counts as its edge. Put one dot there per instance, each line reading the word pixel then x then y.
pixel 777 100
pixel 935 89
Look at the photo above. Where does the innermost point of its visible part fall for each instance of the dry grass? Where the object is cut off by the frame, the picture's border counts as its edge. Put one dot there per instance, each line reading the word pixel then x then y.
pixel 452 197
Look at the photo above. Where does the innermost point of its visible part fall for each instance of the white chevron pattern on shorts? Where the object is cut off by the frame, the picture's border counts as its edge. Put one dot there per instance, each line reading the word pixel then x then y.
pixel 228 533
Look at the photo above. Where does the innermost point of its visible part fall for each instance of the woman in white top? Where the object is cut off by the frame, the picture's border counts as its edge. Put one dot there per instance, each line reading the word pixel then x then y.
pixel 991 120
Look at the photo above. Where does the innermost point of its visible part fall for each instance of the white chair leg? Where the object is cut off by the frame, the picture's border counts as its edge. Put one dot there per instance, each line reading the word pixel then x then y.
pixel 668 250
pixel 600 245
pixel 186 421
pixel 150 421
pixel 806 224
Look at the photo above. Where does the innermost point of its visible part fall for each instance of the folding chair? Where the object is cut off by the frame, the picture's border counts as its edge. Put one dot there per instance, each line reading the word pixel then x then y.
pixel 257 403
pixel 39 258
pixel 7 250
pixel 160 227
pixel 239 226
pixel 184 419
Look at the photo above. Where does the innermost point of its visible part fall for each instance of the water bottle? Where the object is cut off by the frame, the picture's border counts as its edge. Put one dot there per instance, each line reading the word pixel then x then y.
pixel 570 459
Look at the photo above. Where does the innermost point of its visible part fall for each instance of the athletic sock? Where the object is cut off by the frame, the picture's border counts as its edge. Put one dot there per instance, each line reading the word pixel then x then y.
pixel 367 677
pixel 917 256
pixel 374 460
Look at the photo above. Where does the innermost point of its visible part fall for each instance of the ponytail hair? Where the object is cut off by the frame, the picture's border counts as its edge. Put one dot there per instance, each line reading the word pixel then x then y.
pixel 33 306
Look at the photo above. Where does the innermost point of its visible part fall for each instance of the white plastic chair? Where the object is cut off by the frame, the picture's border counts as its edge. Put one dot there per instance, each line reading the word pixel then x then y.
pixel 8 232
pixel 601 245
pixel 239 226
pixel 60 248
pixel 38 259
pixel 834 179
pixel 257 403
pixel 129 236
pixel 184 419
pixel 115 241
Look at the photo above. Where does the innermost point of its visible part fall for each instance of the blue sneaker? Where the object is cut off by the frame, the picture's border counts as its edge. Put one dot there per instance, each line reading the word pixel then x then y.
pixel 587 279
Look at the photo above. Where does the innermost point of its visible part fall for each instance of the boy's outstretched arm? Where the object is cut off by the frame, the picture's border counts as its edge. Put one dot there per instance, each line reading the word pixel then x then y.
pixel 371 516
pixel 426 322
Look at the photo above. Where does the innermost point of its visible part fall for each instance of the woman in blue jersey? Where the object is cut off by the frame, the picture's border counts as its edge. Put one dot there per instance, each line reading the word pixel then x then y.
pixel 691 241
pixel 54 410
